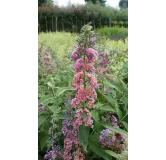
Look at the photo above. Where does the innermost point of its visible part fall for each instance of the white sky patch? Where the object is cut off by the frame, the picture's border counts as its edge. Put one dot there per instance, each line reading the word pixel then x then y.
pixel 112 3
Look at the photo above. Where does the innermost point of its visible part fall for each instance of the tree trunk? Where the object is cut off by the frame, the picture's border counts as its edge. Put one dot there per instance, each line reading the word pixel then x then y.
pixel 38 27
pixel 56 23
pixel 76 24
pixel 46 25
pixel 109 21
pixel 62 23
pixel 84 19
pixel 52 25
pixel 72 25
pixel 81 22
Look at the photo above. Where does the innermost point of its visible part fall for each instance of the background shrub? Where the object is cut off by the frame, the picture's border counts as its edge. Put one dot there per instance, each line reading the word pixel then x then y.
pixel 72 17
pixel 115 31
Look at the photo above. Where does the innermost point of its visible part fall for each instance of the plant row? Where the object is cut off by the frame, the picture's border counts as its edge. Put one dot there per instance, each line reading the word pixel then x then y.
pixel 72 18
pixel 115 31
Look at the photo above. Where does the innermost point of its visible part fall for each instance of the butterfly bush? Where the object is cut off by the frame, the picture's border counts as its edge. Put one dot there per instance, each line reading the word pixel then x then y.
pixel 70 131
pixel 109 139
pixel 103 63
pixel 111 119
pixel 79 107
pixel 113 141
pixel 84 83
pixel 55 149
pixel 54 153
pixel 47 61
pixel 41 107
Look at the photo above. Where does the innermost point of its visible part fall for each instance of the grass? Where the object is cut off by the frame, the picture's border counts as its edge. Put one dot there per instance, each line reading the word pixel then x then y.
pixel 62 43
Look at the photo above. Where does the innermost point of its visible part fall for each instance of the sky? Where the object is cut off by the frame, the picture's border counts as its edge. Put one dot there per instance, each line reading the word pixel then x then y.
pixel 112 3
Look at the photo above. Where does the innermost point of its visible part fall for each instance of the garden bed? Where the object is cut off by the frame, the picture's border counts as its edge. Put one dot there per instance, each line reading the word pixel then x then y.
pixel 80 110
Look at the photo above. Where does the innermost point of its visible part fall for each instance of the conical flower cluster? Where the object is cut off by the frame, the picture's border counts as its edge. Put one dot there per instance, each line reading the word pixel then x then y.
pixel 84 83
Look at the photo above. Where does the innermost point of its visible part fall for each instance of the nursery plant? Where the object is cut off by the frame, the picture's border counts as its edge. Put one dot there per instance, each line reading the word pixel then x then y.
pixel 86 116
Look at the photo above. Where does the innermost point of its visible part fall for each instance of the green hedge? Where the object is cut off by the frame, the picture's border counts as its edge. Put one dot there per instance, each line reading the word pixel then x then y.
pixel 115 31
pixel 72 18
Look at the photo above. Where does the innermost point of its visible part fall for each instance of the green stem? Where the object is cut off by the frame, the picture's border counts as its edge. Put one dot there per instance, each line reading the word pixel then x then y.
pixel 84 62
pixel 84 75
pixel 102 90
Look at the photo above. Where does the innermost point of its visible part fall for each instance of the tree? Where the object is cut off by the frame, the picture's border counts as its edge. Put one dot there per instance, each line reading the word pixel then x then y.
pixel 123 4
pixel 50 3
pixel 41 2
pixel 102 2
pixel 45 2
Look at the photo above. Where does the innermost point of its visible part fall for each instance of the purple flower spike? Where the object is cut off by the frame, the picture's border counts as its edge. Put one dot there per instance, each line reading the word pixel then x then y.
pixel 41 106
pixel 46 52
pixel 112 140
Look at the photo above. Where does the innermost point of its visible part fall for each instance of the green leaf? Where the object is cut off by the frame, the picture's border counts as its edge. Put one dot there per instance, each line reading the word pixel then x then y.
pixel 61 116
pixel 43 99
pixel 124 85
pixel 95 115
pixel 118 112
pixel 98 127
pixel 110 99
pixel 98 105
pixel 83 135
pixel 42 118
pixel 94 137
pixel 125 125
pixel 96 147
pixel 107 108
pixel 50 84
pixel 63 89
pixel 117 130
pixel 126 101
pixel 113 154
pixel 52 108
pixel 99 95
pixel 123 156
pixel 43 139
pixel 113 86
pixel 114 104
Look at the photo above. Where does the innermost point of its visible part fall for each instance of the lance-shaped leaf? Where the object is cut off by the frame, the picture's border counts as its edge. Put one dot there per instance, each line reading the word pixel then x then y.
pixel 117 130
pixel 83 135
